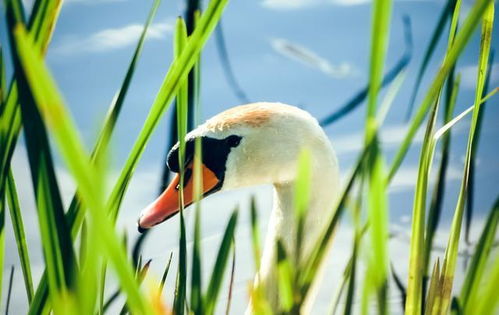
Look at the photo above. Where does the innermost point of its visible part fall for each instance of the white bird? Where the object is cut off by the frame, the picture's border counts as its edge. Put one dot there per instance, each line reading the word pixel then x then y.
pixel 256 144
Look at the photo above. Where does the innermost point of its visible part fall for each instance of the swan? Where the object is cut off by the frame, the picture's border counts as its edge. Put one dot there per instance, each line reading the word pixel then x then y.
pixel 255 144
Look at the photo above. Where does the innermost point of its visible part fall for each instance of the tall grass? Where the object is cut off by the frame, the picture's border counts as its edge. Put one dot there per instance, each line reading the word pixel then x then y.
pixel 74 278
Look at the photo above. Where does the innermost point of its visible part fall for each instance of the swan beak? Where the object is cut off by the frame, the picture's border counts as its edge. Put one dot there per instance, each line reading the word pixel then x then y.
pixel 168 203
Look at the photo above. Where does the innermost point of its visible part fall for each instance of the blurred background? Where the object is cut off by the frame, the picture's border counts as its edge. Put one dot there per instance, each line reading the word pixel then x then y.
pixel 310 53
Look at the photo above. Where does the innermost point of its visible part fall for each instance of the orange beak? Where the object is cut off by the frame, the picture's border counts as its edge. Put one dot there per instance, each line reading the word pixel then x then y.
pixel 168 203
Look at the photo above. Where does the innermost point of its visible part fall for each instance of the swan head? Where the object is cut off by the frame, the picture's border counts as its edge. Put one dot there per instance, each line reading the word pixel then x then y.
pixel 246 145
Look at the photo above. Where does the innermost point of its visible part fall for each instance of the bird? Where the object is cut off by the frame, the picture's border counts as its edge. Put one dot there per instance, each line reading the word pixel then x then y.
pixel 254 144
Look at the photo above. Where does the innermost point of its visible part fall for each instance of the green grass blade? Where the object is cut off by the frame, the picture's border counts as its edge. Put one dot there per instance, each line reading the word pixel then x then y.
pixel 2 190
pixel 339 292
pixel 165 273
pixel 174 78
pixel 285 279
pixel 351 276
pixel 231 279
pixel 460 41
pixel 44 90
pixel 380 30
pixel 179 301
pixel 380 26
pixel 487 303
pixel 378 222
pixel 255 234
pixel 311 266
pixel 46 13
pixel 140 274
pixel 55 236
pixel 434 290
pixel 445 15
pixel 217 274
pixel 75 214
pixel 476 269
pixel 453 244
pixel 20 235
pixel 9 291
pixel 302 199
pixel 416 257
pixel 2 234
pixel 193 98
pixel 196 280
pixel 435 207
pixel 181 101
pixel 471 180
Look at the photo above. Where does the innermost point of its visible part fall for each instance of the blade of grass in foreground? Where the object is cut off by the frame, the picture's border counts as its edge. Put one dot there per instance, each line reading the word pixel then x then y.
pixel 377 205
pixel 41 25
pixel 457 46
pixel 52 108
pixel 474 275
pixel 20 235
pixel 435 207
pixel 2 237
pixel 55 235
pixel 453 244
pixel 311 265
pixel 255 234
pixel 217 274
pixel 9 291
pixel 471 180
pixel 231 280
pixel 75 214
pixel 416 256
pixel 175 76
pixel 350 273
pixel 487 302
pixel 181 286
pixel 196 277
pixel 302 200
pixel 2 190
pixel 165 273
pixel 285 280
pixel 42 22
pixel 433 295
pixel 378 222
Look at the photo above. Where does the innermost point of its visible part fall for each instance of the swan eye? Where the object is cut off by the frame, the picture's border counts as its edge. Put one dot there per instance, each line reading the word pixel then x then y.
pixel 233 141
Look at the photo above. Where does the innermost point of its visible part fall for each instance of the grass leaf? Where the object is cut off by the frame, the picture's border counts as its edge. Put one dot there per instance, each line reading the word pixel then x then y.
pixel 20 235
pixel 52 108
pixel 452 247
pixel 458 44
pixel 218 271
pixel 181 100
pixel 476 269
pixel 165 273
